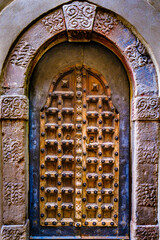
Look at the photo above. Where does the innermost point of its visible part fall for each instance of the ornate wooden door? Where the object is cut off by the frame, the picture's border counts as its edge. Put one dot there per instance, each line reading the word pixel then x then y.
pixel 79 157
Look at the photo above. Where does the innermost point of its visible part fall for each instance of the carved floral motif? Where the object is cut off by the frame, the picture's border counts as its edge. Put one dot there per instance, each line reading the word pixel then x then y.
pixel 147 233
pixel 147 195
pixel 13 193
pixel 79 15
pixel 104 22
pixel 137 54
pixel 22 54
pixel 14 107
pixel 147 108
pixel 54 22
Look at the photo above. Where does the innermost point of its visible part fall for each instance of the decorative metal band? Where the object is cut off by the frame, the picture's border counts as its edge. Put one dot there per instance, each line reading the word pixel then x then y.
pixel 78 173
pixel 14 107
pixel 146 108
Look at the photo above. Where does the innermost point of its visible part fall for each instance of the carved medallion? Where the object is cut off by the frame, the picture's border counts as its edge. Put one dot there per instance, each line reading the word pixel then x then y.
pixel 79 17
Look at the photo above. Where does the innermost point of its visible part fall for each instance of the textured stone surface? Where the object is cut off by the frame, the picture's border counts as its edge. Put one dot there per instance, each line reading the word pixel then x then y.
pixel 147 233
pixel 147 172
pixel 22 54
pixel 132 11
pixel 54 22
pixel 79 17
pixel 14 107
pixel 15 232
pixel 13 152
pixel 146 108
pixel 104 23
pixel 137 54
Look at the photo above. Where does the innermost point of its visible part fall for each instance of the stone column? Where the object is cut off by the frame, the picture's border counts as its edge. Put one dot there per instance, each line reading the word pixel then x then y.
pixel 144 224
pixel 14 116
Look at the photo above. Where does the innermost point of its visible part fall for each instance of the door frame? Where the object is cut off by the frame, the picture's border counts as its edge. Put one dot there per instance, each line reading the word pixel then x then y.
pixel 144 110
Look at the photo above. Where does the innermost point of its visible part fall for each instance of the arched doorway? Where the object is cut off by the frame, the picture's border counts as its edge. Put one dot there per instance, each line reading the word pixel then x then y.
pixel 79 143
pixel 109 29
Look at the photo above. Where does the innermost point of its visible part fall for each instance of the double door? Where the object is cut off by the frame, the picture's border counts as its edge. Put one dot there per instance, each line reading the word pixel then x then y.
pixel 79 146
pixel 79 152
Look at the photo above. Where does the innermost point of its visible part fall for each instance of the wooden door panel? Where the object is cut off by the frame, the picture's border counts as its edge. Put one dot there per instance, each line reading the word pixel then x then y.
pixel 79 152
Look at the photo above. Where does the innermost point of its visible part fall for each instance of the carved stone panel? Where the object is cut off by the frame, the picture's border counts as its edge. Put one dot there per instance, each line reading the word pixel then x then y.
pixel 13 155
pixel 13 142
pixel 146 195
pixel 14 107
pixel 147 233
pixel 79 17
pixel 54 22
pixel 22 54
pixel 146 108
pixel 13 193
pixel 104 23
pixel 147 172
pixel 137 54
pixel 15 232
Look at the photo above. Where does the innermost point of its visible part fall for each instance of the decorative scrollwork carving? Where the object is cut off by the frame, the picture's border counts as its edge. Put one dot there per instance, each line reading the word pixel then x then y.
pixel 146 108
pixel 137 54
pixel 79 15
pixel 147 195
pixel 14 107
pixel 22 54
pixel 104 22
pixel 54 22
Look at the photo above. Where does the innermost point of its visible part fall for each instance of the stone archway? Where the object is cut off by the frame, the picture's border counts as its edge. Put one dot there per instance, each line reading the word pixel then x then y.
pixel 80 21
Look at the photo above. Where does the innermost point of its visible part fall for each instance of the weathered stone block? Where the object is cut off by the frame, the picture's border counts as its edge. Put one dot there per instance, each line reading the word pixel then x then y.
pixel 147 172
pixel 137 54
pixel 147 233
pixel 104 23
pixel 22 54
pixel 146 108
pixel 13 155
pixel 15 232
pixel 14 107
pixel 79 18
pixel 54 22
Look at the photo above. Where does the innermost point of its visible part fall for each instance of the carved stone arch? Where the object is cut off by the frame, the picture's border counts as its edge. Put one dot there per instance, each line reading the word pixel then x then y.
pixel 90 23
